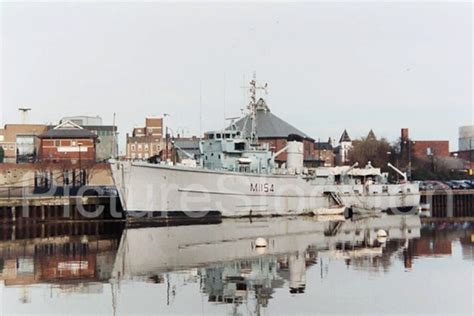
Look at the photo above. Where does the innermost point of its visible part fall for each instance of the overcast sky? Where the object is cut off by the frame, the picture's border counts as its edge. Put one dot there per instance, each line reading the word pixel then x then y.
pixel 329 66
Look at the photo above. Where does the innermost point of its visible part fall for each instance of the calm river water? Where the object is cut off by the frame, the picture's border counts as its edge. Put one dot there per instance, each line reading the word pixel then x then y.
pixel 307 266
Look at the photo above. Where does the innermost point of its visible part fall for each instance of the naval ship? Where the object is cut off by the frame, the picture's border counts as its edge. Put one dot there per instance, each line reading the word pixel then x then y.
pixel 236 176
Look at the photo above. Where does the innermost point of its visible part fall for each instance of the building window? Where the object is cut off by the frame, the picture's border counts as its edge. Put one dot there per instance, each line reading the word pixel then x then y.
pixel 12 147
pixel 140 147
pixel 146 147
pixel 146 156
pixel 133 156
pixel 57 143
pixel 133 148
pixel 140 155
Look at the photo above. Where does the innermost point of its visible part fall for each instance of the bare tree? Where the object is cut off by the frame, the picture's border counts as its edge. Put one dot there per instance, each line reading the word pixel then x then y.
pixel 90 168
pixel 377 151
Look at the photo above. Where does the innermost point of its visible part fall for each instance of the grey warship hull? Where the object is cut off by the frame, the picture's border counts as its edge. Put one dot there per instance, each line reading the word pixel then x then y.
pixel 145 188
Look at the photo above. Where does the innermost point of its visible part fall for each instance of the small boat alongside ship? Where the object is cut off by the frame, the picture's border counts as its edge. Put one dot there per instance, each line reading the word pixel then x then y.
pixel 238 177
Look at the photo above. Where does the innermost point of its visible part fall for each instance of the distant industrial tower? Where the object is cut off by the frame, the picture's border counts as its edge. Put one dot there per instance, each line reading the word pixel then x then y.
pixel 24 114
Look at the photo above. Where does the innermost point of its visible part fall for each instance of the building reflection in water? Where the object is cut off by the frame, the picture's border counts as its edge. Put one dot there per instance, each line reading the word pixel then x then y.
pixel 74 257
pixel 221 258
pixel 437 241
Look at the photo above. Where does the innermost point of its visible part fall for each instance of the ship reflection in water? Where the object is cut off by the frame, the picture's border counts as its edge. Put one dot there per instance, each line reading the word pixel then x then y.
pixel 308 266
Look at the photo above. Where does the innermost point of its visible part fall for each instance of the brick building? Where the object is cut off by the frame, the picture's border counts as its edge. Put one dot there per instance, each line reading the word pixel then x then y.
pixel 147 141
pixel 423 148
pixel 274 131
pixel 467 156
pixel 428 148
pixel 20 142
pixel 68 141
pixel 107 144
pixel 324 154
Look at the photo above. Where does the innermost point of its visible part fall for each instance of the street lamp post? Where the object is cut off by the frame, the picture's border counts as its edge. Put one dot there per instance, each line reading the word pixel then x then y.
pixel 432 156
pixel 410 147
pixel 166 138
pixel 319 154
pixel 166 144
pixel 471 172
pixel 80 167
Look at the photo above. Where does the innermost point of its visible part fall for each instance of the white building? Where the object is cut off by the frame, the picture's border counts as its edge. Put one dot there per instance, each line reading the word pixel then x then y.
pixel 466 138
pixel 84 120
pixel 342 150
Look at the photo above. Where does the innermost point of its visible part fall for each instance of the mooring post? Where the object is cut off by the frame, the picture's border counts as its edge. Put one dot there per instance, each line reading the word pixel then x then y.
pixel 67 203
pixel 13 235
pixel 43 212
pixel 449 204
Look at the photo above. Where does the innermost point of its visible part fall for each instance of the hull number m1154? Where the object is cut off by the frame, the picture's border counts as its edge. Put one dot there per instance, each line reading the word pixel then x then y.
pixel 262 187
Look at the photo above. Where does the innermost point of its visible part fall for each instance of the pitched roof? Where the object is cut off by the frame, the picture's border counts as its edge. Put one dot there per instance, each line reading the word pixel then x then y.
pixel 101 128
pixel 268 124
pixel 70 133
pixel 187 143
pixel 68 129
pixel 322 146
pixel 371 135
pixel 190 146
pixel 93 128
pixel 345 137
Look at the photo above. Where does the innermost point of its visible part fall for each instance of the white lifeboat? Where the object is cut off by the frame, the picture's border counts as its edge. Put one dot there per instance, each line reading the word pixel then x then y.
pixel 245 161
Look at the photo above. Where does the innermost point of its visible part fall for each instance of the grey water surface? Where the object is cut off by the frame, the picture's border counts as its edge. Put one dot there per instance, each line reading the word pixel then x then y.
pixel 308 266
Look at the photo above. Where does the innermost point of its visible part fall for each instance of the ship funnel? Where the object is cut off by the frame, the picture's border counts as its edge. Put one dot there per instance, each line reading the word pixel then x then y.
pixel 294 137
pixel 294 162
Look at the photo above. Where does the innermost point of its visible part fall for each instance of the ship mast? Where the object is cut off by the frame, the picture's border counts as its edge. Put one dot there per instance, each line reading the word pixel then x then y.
pixel 252 107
